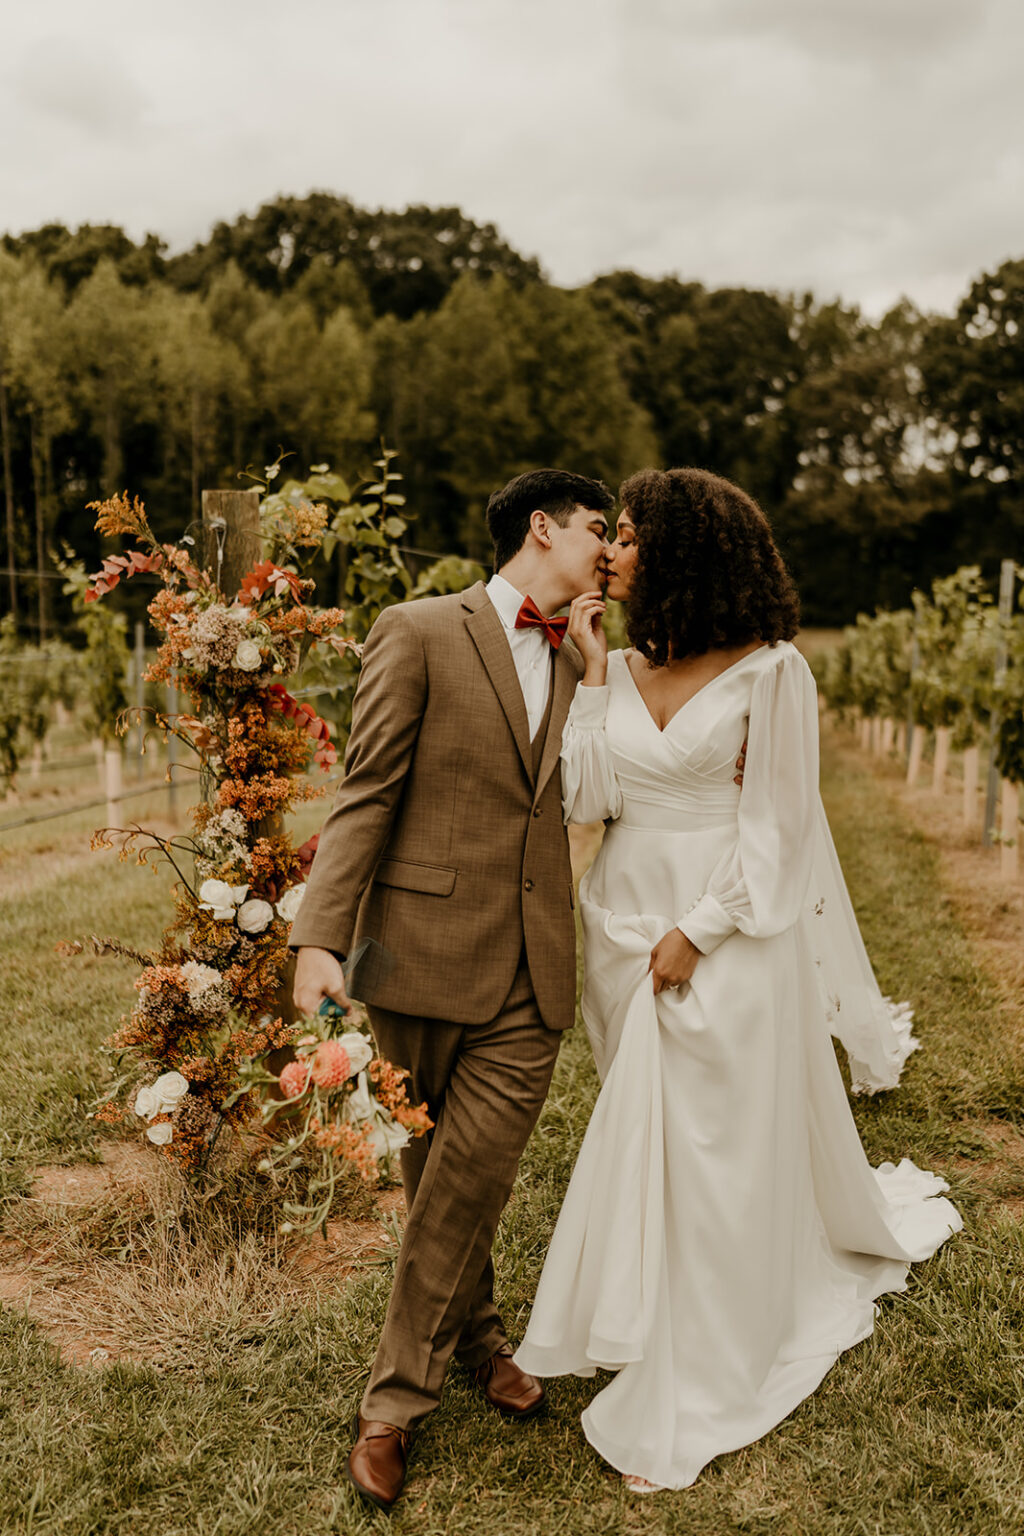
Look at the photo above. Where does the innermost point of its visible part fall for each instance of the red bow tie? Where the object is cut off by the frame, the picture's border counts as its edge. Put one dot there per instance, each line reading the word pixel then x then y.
pixel 530 617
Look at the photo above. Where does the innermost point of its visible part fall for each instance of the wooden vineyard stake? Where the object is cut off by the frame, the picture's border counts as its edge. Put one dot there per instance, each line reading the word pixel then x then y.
pixel 972 769
pixel 1008 831
pixel 917 741
pixel 940 767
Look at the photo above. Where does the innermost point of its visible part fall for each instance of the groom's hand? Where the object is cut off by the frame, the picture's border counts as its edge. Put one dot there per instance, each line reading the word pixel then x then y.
pixel 673 960
pixel 318 974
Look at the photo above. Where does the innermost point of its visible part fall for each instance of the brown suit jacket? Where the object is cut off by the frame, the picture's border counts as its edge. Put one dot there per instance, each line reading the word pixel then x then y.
pixel 443 845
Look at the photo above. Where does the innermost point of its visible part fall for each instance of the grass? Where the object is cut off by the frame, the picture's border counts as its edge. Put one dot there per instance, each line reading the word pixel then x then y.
pixel 241 1422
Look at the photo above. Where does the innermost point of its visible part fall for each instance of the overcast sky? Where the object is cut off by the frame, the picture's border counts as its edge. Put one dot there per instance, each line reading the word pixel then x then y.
pixel 865 148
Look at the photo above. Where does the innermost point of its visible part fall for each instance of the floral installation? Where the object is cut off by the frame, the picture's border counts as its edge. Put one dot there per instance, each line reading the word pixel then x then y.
pixel 193 1051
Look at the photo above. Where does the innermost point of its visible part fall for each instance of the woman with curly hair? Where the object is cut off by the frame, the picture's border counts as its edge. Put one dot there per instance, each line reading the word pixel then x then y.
pixel 723 1238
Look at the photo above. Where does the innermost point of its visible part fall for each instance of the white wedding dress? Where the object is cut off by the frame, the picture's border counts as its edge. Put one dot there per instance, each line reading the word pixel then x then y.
pixel 723 1237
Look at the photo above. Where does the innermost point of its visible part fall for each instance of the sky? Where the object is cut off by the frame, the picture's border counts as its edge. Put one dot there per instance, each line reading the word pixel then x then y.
pixel 861 149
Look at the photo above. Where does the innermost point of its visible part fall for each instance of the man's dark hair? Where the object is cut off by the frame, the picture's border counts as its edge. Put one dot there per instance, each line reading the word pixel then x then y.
pixel 554 491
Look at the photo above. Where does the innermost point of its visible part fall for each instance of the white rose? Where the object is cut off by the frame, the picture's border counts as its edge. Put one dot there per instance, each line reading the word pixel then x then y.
pixel 170 1088
pixel 359 1106
pixel 160 1134
pixel 387 1138
pixel 357 1048
pixel 147 1104
pixel 291 901
pixel 215 896
pixel 254 916
pixel 248 657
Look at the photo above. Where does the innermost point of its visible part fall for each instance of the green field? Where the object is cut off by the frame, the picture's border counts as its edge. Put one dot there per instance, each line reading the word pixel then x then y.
pixel 230 1408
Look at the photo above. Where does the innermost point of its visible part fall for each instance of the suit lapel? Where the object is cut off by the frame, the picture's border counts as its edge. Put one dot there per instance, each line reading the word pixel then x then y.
pixel 488 635
pixel 563 686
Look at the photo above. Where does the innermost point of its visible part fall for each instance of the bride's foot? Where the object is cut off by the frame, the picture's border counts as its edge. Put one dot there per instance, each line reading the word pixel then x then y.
pixel 640 1484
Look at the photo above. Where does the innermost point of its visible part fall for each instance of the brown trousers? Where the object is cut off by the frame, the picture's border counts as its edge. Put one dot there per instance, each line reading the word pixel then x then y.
pixel 484 1085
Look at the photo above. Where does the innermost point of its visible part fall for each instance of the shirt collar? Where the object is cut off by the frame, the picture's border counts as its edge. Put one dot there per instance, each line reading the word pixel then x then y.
pixel 506 598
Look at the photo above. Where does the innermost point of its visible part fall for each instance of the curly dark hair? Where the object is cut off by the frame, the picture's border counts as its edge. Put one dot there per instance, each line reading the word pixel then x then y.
pixel 707 571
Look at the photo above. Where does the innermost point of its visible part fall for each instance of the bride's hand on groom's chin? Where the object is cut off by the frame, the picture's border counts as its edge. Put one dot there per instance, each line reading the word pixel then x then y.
pixel 585 631
pixel 673 960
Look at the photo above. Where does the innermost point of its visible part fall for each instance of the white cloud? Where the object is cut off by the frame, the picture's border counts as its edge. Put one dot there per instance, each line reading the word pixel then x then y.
pixel 857 147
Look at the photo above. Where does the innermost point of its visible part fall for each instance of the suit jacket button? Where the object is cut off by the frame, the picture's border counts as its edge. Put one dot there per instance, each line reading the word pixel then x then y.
pixel 536 810
pixel 528 884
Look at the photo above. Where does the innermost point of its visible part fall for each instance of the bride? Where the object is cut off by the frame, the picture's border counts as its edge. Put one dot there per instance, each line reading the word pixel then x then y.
pixel 723 1237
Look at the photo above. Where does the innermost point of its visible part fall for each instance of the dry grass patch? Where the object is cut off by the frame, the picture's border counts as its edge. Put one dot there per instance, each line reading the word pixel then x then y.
pixel 119 1261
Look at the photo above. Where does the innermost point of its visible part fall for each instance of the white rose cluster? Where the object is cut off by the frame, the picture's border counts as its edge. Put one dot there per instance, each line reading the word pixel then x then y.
pixel 161 1098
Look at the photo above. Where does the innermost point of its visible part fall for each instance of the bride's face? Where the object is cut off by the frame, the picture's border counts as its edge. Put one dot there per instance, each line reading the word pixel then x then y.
pixel 621 558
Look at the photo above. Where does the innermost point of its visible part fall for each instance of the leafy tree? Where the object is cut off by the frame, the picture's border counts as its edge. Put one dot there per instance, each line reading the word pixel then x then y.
pixel 311 386
pixel 199 372
pixel 39 363
pixel 108 326
pixel 70 256
pixel 407 261
pixel 10 274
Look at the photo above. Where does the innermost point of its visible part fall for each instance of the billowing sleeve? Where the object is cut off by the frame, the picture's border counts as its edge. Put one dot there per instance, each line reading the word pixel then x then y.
pixel 590 791
pixel 758 887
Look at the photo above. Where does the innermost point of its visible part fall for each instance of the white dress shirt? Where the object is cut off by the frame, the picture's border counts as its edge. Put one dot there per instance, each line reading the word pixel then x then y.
pixel 531 650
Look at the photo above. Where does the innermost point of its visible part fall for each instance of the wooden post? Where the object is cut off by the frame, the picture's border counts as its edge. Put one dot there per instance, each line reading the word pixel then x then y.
pixel 1008 831
pixel 972 758
pixel 917 740
pixel 940 767
pixel 1007 579
pixel 112 782
pixel 231 537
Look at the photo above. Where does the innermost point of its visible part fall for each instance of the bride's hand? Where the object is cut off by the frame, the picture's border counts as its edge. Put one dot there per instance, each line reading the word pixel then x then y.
pixel 673 960
pixel 585 629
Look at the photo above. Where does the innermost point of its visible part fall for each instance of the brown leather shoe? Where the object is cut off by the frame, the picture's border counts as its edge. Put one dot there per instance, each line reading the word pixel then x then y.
pixel 376 1463
pixel 508 1388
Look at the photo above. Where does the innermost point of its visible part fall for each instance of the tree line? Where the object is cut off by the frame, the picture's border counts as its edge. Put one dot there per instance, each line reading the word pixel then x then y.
pixel 883 451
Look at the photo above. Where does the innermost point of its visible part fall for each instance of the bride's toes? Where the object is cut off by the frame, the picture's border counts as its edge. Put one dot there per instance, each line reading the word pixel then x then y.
pixel 640 1484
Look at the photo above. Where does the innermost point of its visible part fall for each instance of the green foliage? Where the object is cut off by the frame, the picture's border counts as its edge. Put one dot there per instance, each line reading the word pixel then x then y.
pixel 1008 699
pixel 884 453
pixel 451 573
pixel 869 674
pixel 31 679
pixel 956 634
pixel 106 658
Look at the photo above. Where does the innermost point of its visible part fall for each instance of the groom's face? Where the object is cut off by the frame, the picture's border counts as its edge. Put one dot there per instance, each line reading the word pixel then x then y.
pixel 578 550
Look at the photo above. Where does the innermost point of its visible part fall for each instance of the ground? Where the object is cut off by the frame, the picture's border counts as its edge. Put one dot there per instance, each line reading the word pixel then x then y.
pixel 169 1371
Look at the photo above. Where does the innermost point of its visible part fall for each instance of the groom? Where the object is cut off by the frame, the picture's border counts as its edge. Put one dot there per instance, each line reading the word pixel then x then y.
pixel 446 846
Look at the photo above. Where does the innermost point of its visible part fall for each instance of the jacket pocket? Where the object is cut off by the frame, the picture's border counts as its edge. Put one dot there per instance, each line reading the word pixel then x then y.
pixel 428 879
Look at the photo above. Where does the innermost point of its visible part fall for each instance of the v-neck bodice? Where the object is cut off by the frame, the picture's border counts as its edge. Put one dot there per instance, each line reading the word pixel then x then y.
pixel 682 775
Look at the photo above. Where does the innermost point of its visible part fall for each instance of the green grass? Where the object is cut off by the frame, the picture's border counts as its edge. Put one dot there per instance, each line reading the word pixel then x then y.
pixel 244 1426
